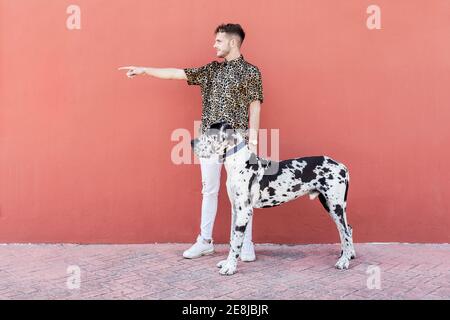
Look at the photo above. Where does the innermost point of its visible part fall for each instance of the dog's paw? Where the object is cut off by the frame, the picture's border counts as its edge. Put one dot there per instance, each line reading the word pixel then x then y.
pixel 227 268
pixel 342 263
pixel 221 263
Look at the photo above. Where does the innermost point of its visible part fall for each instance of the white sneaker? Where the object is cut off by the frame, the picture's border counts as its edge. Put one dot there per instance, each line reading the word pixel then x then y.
pixel 248 252
pixel 198 249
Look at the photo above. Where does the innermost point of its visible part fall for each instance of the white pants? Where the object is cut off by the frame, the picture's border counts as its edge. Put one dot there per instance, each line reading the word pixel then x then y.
pixel 211 169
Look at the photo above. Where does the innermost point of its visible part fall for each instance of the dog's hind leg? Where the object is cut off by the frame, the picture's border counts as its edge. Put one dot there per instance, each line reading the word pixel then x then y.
pixel 334 201
pixel 352 247
pixel 339 216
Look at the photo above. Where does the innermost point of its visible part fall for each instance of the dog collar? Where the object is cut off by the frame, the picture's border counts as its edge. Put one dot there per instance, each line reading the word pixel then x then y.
pixel 233 150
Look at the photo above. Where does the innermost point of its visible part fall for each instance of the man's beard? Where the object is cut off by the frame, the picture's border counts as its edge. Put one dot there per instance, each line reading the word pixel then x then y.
pixel 222 54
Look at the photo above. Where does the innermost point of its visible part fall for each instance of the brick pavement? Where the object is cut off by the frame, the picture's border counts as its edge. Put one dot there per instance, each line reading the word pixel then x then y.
pixel 158 271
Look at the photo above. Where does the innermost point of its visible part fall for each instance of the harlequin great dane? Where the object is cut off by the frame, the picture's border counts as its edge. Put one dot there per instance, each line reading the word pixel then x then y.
pixel 253 182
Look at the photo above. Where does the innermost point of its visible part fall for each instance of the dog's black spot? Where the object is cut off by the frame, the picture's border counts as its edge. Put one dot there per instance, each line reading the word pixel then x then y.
pixel 338 210
pixel 237 256
pixel 240 208
pixel 250 183
pixel 308 173
pixel 252 163
pixel 346 191
pixel 240 228
pixel 274 203
pixel 323 201
pixel 340 213
pixel 296 187
pixel 284 195
pixel 330 176
pixel 322 181
pixel 265 163
pixel 271 191
pixel 332 162
pixel 342 173
pixel 326 170
pixel 270 175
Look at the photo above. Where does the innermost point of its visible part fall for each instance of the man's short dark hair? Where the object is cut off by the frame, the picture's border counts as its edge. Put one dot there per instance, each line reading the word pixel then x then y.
pixel 231 28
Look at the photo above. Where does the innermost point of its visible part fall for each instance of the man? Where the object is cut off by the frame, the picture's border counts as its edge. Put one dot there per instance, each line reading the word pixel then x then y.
pixel 232 91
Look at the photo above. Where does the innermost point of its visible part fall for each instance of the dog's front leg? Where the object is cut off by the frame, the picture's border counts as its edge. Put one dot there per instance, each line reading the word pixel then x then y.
pixel 243 212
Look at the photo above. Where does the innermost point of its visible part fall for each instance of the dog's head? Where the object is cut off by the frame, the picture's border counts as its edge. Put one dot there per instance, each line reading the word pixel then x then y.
pixel 216 140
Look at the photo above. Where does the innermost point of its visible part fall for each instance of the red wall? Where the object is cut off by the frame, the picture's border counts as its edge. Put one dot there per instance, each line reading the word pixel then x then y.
pixel 85 151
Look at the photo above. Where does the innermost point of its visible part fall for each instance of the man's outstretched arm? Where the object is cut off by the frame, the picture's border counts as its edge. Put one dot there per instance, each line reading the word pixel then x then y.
pixel 161 73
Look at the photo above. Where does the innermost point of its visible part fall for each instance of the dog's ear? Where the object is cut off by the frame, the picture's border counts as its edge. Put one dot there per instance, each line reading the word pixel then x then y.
pixel 214 129
pixel 221 125
pixel 216 125
pixel 225 130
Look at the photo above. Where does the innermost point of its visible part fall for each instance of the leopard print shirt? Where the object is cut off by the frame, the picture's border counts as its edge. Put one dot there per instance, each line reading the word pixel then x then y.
pixel 227 90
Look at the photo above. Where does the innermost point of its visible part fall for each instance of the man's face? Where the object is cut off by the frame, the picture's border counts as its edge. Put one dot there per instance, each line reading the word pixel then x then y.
pixel 223 44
